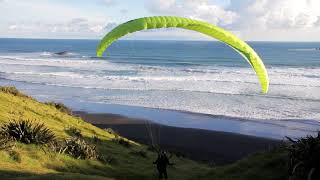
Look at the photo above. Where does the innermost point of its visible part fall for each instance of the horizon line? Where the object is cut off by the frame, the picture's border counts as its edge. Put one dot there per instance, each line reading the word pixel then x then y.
pixel 96 39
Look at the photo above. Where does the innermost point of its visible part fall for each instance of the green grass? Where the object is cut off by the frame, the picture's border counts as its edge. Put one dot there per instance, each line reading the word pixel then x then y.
pixel 36 162
pixel 261 166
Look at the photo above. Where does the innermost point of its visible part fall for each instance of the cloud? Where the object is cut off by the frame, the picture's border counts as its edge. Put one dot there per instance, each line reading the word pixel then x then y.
pixel 76 25
pixel 109 2
pixel 12 27
pixel 201 9
pixel 110 26
pixel 161 6
pixel 258 13
pixel 283 20
pixel 124 11
pixel 317 23
pixel 251 19
pixel 275 14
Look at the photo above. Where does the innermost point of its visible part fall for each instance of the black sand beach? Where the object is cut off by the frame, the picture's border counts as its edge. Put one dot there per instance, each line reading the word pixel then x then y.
pixel 203 145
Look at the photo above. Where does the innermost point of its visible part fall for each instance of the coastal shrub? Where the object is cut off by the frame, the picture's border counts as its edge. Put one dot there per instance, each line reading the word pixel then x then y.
pixel 72 131
pixel 27 132
pixel 78 148
pixel 12 90
pixel 111 131
pixel 304 158
pixel 61 107
pixel 6 142
pixel 96 139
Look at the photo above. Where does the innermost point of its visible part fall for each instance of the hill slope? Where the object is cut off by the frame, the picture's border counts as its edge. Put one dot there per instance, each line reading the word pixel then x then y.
pixel 35 162
pixel 31 160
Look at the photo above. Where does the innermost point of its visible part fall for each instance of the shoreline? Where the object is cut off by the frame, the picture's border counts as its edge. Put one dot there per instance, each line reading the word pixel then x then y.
pixel 202 145
pixel 275 129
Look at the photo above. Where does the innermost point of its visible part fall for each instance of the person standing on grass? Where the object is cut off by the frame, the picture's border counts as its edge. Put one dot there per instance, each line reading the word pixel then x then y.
pixel 162 162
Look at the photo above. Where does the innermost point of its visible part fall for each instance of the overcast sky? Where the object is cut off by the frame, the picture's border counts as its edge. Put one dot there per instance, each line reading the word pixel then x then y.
pixel 264 20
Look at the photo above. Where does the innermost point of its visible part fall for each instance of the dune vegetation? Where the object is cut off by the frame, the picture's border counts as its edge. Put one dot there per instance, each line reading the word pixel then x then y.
pixel 43 140
pixel 119 158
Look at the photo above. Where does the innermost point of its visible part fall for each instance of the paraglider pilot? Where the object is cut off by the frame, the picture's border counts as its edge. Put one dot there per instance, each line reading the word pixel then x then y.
pixel 162 162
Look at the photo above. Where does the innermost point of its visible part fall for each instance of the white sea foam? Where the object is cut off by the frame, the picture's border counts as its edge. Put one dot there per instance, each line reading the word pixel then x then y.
pixel 305 49
pixel 231 91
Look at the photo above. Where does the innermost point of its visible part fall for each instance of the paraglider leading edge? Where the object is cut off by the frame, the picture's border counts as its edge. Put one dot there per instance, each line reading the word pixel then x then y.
pixel 216 32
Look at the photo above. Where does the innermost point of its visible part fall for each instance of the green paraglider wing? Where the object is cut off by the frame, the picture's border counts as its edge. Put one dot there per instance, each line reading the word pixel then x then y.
pixel 185 23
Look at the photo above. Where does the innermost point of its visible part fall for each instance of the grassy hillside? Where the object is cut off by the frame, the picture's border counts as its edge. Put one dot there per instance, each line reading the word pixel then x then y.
pixel 262 166
pixel 38 162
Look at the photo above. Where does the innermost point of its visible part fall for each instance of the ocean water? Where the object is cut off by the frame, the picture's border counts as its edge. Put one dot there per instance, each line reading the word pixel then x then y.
pixel 195 76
